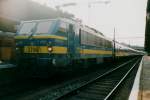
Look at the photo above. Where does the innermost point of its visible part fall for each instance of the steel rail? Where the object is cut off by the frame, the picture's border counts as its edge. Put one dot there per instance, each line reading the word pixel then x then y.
pixel 125 76
pixel 93 80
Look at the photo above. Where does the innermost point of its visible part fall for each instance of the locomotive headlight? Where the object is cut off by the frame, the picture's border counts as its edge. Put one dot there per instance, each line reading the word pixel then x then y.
pixel 17 48
pixel 50 49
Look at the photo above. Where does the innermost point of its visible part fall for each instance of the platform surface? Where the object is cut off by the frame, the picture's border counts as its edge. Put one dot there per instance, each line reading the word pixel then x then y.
pixel 6 65
pixel 144 93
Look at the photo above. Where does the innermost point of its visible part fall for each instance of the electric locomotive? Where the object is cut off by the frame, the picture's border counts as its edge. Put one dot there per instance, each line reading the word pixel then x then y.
pixel 61 42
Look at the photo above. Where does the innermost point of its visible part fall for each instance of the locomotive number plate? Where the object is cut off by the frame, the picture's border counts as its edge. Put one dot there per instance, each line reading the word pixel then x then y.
pixel 32 49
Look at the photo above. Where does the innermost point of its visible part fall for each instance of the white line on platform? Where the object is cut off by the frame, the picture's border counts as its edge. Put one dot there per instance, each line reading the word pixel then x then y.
pixel 135 88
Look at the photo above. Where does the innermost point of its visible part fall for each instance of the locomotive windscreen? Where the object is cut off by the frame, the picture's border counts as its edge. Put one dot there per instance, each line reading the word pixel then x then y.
pixel 44 27
pixel 27 28
pixel 36 27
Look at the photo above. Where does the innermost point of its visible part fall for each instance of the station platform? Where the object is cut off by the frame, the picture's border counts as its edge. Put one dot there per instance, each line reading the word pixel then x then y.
pixel 6 65
pixel 141 86
pixel 7 72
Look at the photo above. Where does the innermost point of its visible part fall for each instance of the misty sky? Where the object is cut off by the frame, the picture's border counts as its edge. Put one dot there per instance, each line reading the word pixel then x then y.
pixel 126 16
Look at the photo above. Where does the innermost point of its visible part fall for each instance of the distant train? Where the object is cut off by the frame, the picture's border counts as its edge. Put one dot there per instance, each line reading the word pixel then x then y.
pixel 61 42
pixel 7 46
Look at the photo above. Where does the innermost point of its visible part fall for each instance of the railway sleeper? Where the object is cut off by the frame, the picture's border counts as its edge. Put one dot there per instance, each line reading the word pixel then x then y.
pixel 90 96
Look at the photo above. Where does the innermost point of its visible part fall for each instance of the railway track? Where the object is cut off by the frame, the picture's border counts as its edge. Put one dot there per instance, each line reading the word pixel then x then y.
pixel 48 91
pixel 30 88
pixel 104 86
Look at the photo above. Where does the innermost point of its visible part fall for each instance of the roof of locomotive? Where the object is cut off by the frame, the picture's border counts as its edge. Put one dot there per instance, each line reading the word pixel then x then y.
pixel 62 19
pixel 75 22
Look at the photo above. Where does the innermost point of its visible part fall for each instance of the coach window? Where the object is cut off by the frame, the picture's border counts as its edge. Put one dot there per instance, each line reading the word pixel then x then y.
pixel 92 39
pixel 95 38
pixel 83 37
pixel 97 42
pixel 100 42
pixel 88 38
pixel 80 36
pixel 108 44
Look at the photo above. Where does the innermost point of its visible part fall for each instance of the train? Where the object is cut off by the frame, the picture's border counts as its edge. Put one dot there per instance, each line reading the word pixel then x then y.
pixel 61 43
pixel 7 47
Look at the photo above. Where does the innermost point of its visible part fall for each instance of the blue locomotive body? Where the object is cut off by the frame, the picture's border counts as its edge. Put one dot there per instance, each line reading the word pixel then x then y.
pixel 62 42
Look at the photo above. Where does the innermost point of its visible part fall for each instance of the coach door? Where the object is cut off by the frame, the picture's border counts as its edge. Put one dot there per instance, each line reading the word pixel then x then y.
pixel 71 37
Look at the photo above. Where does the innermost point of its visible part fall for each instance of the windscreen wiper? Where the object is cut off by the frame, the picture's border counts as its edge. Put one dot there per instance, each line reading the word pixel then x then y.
pixel 32 32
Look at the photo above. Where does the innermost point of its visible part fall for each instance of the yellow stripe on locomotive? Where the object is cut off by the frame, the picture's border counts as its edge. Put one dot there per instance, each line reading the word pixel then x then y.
pixel 98 52
pixel 62 50
pixel 44 49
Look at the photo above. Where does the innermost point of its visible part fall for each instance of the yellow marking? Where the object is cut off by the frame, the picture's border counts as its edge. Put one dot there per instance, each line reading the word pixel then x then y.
pixel 59 50
pixel 44 49
pixel 42 37
pixel 121 53
pixel 89 51
pixel 50 36
pixel 21 37
pixel 36 49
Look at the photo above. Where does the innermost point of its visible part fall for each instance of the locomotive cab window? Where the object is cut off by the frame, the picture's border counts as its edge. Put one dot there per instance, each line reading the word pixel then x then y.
pixel 63 27
pixel 62 30
pixel 44 27
pixel 27 28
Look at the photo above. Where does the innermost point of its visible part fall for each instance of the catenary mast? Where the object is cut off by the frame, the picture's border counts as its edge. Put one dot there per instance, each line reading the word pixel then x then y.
pixel 147 29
